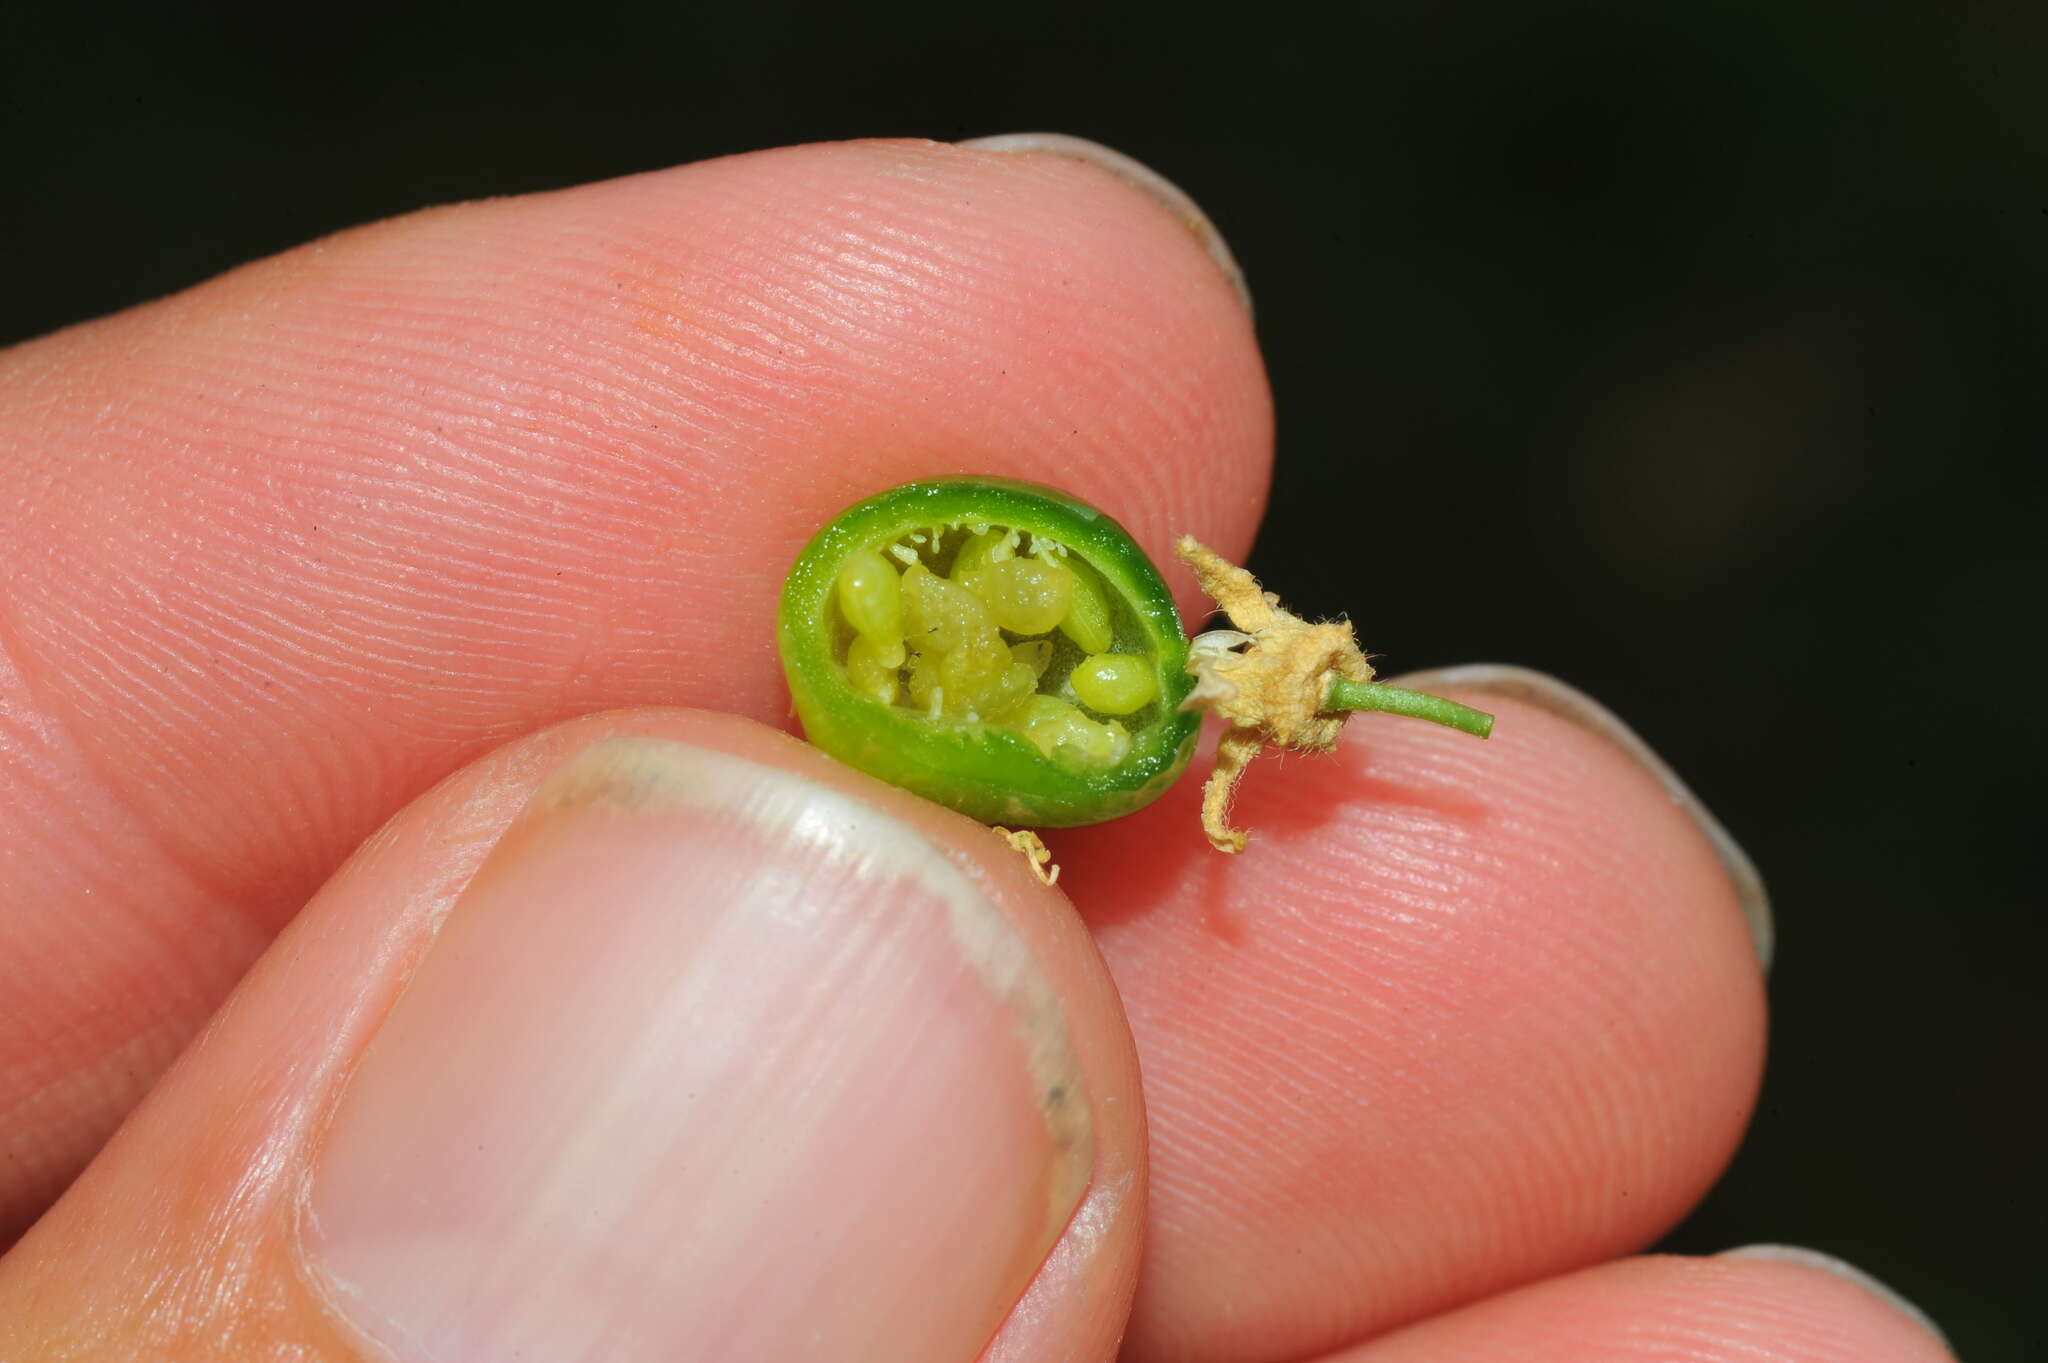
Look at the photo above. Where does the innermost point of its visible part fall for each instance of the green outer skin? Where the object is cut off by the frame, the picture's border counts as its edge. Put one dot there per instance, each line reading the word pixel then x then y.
pixel 982 770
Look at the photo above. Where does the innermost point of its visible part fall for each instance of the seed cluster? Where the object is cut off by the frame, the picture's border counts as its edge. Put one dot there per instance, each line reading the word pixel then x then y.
pixel 988 625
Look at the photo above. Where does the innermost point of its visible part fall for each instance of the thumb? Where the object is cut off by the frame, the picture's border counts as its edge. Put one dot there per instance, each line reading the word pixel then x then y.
pixel 656 1034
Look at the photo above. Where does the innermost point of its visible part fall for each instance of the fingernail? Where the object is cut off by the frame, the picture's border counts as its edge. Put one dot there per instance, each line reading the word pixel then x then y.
pixel 708 1060
pixel 1828 1263
pixel 1138 175
pixel 1567 702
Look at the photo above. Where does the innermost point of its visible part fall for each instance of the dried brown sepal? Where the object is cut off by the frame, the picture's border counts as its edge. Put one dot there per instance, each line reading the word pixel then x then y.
pixel 1268 680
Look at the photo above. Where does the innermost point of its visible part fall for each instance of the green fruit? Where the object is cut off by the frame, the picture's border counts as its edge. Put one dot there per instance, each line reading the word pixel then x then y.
pixel 931 635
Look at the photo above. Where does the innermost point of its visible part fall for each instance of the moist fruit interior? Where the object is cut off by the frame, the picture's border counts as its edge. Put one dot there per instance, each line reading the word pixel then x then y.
pixel 985 625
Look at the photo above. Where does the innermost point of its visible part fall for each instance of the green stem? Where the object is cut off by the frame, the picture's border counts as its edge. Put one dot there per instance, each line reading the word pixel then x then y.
pixel 1350 695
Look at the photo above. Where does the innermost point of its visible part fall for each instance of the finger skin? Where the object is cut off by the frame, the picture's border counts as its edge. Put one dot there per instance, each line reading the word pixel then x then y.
pixel 1670 1310
pixel 180 1241
pixel 1466 1014
pixel 288 548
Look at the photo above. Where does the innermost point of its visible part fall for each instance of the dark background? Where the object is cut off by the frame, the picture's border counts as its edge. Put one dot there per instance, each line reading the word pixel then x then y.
pixel 1689 351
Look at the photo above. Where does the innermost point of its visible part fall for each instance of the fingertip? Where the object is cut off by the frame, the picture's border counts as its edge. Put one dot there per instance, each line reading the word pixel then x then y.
pixel 1177 202
pixel 1520 951
pixel 1783 1308
pixel 868 1005
pixel 1800 1256
pixel 303 540
pixel 1558 697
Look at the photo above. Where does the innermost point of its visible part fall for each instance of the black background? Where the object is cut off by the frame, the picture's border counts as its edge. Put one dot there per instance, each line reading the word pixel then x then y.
pixel 1689 351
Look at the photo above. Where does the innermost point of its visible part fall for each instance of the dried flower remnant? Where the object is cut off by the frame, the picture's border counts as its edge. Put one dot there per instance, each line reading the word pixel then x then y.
pixel 1277 680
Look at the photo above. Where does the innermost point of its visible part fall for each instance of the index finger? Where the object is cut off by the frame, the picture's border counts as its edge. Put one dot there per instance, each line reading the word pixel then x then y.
pixel 287 548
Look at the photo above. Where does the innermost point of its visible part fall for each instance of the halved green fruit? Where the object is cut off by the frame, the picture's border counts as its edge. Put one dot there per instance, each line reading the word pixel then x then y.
pixel 951 673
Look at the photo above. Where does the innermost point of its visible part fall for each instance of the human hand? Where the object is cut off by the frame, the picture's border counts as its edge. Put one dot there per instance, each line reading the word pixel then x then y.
pixel 367 532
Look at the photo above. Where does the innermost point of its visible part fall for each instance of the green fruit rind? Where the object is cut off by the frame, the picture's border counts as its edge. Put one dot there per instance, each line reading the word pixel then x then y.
pixel 982 769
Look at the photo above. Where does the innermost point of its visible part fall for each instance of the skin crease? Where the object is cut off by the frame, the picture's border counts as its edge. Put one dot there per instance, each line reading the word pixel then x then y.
pixel 297 545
